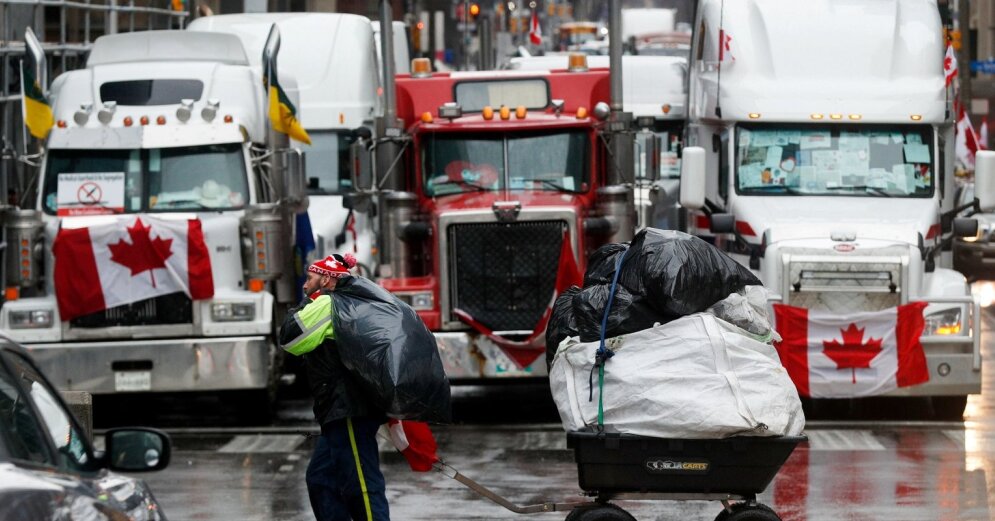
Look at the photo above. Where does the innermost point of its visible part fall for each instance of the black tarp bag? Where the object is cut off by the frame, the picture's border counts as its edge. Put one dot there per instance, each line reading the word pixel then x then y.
pixel 384 343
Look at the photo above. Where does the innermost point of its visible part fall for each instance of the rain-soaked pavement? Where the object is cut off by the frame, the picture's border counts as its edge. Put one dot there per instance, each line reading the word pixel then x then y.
pixel 509 439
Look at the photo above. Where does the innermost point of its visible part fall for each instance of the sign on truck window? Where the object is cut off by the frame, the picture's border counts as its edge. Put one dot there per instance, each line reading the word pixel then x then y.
pixel 91 193
pixel 531 93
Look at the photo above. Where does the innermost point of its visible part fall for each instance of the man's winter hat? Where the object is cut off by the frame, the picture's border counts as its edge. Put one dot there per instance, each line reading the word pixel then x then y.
pixel 334 265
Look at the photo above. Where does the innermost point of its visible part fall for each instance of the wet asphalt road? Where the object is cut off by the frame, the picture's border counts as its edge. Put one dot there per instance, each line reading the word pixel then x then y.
pixel 509 439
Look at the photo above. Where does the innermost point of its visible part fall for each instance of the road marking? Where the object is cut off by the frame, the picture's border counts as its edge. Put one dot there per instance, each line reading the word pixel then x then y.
pixel 263 443
pixel 293 457
pixel 285 468
pixel 847 440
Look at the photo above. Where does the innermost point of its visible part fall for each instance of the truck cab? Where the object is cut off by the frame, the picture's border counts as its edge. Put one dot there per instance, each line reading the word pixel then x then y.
pixel 828 169
pixel 169 126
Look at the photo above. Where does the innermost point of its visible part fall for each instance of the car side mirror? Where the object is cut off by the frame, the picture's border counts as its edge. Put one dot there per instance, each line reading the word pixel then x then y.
pixel 693 178
pixel 137 449
pixel 723 223
pixel 965 228
pixel 984 179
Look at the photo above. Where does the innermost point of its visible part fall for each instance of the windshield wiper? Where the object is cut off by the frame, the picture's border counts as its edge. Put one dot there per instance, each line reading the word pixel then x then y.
pixel 770 188
pixel 875 189
pixel 459 182
pixel 200 205
pixel 554 186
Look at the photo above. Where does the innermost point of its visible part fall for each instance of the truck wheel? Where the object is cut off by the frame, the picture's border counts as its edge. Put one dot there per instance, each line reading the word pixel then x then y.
pixel 599 513
pixel 948 407
pixel 744 512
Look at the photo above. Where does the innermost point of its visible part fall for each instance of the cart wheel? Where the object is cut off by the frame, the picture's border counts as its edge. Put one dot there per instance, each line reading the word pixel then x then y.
pixel 599 513
pixel 745 512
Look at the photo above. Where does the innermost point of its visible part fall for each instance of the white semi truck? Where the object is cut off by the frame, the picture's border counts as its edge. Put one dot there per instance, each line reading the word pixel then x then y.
pixel 822 159
pixel 160 126
pixel 333 59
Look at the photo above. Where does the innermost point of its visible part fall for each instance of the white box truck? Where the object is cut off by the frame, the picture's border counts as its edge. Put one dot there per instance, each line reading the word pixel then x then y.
pixel 822 159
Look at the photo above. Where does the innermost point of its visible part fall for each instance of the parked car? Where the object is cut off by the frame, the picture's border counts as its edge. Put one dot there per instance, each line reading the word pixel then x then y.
pixel 49 468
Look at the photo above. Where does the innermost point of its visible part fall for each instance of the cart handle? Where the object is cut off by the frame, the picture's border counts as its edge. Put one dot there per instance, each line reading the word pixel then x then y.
pixel 500 500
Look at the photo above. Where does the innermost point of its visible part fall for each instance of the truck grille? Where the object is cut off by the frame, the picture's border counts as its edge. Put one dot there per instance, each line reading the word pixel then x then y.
pixel 846 283
pixel 504 274
pixel 175 308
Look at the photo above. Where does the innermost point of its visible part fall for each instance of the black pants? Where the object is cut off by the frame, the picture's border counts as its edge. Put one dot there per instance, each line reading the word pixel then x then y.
pixel 344 481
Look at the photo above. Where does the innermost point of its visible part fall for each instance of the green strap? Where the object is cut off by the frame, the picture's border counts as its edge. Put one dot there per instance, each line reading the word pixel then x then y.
pixel 601 394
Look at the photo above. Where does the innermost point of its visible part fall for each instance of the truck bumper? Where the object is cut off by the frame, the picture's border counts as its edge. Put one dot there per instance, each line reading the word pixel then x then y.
pixel 468 356
pixel 202 364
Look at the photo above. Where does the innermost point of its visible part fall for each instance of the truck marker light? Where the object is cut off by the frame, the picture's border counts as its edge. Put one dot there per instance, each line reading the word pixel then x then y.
pixel 229 118
pixel 128 121
pixel 581 113
pixel 341 118
pixel 426 117
pixel 520 112
pixel 577 62
pixel 25 273
pixel 256 285
pixel 144 120
pixel 261 266
pixel 12 293
pixel 161 120
pixel 505 113
pixel 856 117
pixel 754 115
pixel 421 68
pixel 916 117
pixel 61 123
pixel 836 116
pixel 487 113
pixel 666 108
pixel 259 235
pixel 817 116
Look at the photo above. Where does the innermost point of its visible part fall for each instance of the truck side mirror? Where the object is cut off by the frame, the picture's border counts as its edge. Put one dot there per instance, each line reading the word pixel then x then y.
pixel 693 178
pixel 362 169
pixel 722 223
pixel 296 184
pixel 984 179
pixel 965 228
pixel 651 157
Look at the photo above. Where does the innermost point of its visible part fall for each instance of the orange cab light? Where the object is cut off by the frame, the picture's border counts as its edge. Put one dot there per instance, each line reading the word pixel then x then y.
pixel 228 118
pixel 25 243
pixel 581 112
pixel 144 120
pixel 257 285
pixel 666 108
pixel 577 62
pixel 26 263
pixel 816 115
pixel 12 293
pixel 916 117
pixel 487 112
pixel 261 266
pixel 161 120
pixel 128 121
pixel 505 112
pixel 426 117
pixel 341 118
pixel 259 235
pixel 520 112
pixel 836 116
pixel 25 252
pixel 25 273
pixel 62 123
pixel 754 115
pixel 421 67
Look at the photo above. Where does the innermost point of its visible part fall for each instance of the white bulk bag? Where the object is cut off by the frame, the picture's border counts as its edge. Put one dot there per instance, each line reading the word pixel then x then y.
pixel 694 377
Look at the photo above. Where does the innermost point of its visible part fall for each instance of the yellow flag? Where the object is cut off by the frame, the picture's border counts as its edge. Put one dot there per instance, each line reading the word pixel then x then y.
pixel 37 111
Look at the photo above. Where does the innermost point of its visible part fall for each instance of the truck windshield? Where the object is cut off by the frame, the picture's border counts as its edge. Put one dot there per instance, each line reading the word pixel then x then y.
pixel 88 182
pixel 849 160
pixel 457 163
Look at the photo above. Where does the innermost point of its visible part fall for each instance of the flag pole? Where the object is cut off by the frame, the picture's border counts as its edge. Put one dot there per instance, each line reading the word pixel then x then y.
pixel 718 82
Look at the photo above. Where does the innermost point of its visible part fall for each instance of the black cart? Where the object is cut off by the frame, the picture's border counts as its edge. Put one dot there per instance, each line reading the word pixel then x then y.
pixel 613 467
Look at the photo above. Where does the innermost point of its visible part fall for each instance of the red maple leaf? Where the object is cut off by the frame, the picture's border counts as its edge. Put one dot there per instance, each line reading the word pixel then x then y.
pixel 853 353
pixel 143 253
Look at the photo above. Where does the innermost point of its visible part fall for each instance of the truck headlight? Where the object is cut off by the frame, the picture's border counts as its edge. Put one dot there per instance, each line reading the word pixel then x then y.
pixel 420 301
pixel 31 319
pixel 233 311
pixel 946 322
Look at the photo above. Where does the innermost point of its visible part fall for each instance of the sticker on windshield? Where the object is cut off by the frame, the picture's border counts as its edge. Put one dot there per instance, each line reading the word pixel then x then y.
pixel 89 193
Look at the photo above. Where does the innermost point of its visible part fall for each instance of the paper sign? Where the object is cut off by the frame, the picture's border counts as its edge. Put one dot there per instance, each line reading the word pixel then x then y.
pixel 817 139
pixel 93 193
pixel 916 153
pixel 853 162
pixel 855 143
pixel 763 138
pixel 807 178
pixel 774 157
pixel 826 160
pixel 905 177
pixel 749 176
pixel 913 139
pixel 896 137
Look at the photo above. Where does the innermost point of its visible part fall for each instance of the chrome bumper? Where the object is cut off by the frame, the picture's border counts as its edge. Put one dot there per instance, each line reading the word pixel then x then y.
pixel 193 364
pixel 472 356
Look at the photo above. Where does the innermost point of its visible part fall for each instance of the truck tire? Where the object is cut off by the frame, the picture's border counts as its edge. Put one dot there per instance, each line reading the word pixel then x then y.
pixel 745 512
pixel 599 513
pixel 950 408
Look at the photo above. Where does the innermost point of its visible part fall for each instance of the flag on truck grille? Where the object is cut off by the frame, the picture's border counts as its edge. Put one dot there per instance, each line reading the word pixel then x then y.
pixel 36 109
pixel 282 112
pixel 846 356
pixel 129 260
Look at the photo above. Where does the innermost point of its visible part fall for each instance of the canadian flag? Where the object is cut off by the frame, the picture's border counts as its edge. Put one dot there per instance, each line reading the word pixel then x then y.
pixel 535 32
pixel 415 442
pixel 126 261
pixel 966 143
pixel 846 356
pixel 725 46
pixel 950 65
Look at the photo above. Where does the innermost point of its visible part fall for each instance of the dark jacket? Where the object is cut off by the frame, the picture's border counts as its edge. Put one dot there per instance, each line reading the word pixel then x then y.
pixel 308 331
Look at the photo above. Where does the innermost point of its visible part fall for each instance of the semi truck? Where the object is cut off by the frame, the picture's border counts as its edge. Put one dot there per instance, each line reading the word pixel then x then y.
pixel 827 168
pixel 501 190
pixel 162 130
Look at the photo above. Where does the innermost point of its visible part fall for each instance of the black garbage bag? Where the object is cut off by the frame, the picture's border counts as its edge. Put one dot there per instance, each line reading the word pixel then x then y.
pixel 388 348
pixel 666 275
pixel 561 323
